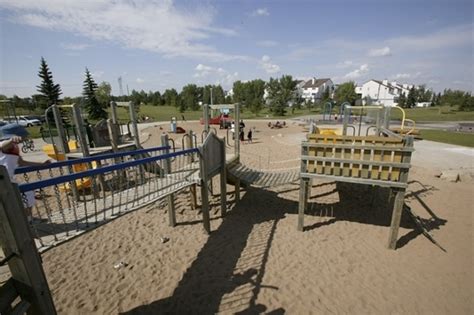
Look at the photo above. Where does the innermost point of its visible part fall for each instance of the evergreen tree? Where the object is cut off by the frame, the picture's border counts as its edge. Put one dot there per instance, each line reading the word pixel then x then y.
pixel 402 100
pixel 91 104
pixel 411 98
pixel 49 91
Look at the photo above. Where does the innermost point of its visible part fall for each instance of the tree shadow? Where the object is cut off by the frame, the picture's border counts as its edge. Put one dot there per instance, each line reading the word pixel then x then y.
pixel 228 272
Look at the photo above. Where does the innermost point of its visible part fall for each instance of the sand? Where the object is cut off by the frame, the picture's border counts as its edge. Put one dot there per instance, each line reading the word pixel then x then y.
pixel 255 261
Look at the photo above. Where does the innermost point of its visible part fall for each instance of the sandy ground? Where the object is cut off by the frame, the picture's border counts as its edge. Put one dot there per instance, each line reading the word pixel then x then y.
pixel 255 261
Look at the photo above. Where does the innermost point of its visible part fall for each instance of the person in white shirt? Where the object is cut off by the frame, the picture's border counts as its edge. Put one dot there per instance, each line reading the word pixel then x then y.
pixel 10 158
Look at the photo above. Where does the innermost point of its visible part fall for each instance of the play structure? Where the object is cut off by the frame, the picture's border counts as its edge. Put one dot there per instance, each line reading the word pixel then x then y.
pixel 81 140
pixel 239 174
pixel 382 159
pixel 123 181
pixel 218 114
pixel 130 183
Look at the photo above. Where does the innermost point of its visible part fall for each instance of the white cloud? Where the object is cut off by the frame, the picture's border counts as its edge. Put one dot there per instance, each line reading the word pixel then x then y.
pixel 97 74
pixel 445 38
pixel 70 46
pixel 140 80
pixel 156 26
pixel 380 52
pixel 220 75
pixel 362 70
pixel 260 12
pixel 345 64
pixel 267 43
pixel 402 76
pixel 268 66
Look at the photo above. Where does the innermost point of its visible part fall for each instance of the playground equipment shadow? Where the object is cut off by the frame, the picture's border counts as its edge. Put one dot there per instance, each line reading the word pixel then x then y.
pixel 227 274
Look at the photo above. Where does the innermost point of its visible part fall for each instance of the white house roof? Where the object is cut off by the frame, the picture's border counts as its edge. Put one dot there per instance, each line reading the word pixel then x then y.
pixel 314 83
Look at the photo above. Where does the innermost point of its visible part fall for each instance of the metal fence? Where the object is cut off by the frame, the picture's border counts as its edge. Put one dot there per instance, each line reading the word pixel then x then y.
pixel 70 197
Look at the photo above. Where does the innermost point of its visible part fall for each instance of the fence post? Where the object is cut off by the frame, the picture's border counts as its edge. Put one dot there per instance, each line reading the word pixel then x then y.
pixel 223 179
pixel 170 197
pixel 16 238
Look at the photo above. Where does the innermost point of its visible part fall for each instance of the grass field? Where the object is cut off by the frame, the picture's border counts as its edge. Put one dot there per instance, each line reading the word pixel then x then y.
pixel 434 114
pixel 451 137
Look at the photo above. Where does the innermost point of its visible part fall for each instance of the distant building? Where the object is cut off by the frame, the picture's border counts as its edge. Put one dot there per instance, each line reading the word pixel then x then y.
pixel 382 92
pixel 313 89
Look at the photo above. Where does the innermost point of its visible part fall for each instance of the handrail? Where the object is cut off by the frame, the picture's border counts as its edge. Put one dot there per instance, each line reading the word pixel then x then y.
pixel 96 171
pixel 27 169
pixel 403 117
pixel 413 127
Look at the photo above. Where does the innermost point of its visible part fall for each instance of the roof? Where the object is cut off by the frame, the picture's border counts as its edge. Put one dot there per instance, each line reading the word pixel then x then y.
pixel 389 85
pixel 317 83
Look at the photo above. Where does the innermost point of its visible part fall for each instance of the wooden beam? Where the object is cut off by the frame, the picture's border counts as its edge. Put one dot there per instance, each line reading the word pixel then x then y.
pixel 16 237
pixel 396 218
pixel 303 200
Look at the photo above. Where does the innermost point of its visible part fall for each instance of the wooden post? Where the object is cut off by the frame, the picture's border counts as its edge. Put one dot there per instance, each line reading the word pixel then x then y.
pixel 63 146
pixel 223 180
pixel 399 198
pixel 170 197
pixel 205 198
pixel 133 118
pixel 80 129
pixel 303 201
pixel 16 238
pixel 396 217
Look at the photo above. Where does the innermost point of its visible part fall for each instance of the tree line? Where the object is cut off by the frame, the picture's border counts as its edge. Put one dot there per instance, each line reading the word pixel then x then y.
pixel 278 94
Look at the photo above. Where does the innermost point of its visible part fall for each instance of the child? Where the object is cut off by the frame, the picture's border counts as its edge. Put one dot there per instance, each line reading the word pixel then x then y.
pixel 10 136
pixel 249 136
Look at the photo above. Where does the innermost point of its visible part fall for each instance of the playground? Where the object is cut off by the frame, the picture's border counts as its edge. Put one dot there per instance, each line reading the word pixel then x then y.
pixel 255 260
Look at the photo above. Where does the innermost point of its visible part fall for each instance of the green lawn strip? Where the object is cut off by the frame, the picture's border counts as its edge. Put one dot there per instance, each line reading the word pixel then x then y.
pixel 450 137
pixel 433 114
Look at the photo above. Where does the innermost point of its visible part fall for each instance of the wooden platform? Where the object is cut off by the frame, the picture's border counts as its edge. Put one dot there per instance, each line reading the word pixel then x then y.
pixel 370 160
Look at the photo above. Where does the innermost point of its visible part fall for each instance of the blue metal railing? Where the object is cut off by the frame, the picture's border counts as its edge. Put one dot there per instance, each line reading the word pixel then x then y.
pixel 71 177
pixel 28 169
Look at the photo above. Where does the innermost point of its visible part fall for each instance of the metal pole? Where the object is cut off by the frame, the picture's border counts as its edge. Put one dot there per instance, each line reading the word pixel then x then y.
pixel 206 117
pixel 237 131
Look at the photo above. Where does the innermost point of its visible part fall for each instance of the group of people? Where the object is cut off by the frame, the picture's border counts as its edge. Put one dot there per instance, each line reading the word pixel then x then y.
pixel 241 132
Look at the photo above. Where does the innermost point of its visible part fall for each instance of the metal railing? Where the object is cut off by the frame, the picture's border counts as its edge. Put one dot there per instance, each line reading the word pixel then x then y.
pixel 108 185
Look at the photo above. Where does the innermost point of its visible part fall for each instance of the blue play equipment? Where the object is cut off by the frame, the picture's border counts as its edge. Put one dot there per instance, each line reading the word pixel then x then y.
pixel 342 111
pixel 327 111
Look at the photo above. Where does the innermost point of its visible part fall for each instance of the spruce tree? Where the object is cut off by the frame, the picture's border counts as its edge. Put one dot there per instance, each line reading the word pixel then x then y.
pixel 49 91
pixel 411 98
pixel 95 110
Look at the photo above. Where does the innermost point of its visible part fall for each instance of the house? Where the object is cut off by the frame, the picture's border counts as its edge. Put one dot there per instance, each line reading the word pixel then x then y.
pixel 382 92
pixel 313 89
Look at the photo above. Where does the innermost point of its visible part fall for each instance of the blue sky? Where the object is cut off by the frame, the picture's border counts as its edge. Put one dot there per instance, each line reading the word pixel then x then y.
pixel 155 45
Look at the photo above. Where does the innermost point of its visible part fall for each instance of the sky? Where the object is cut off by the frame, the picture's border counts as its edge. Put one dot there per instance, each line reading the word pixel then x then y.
pixel 156 45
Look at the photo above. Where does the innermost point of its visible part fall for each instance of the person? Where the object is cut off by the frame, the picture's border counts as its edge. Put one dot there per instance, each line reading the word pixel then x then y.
pixel 10 136
pixel 249 136
pixel 241 135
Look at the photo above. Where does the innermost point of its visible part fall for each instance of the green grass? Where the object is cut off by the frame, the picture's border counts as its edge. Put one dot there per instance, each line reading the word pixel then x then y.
pixel 434 114
pixel 451 137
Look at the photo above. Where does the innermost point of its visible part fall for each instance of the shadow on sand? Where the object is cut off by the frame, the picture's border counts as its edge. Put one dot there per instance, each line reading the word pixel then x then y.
pixel 217 282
